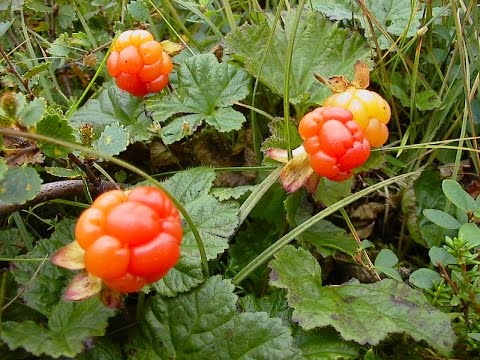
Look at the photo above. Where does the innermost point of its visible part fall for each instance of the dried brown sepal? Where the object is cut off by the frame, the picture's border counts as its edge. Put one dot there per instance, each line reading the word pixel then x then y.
pixel 83 286
pixel 69 257
pixel 295 173
pixel 336 84
pixel 111 298
pixel 361 75
pixel 172 48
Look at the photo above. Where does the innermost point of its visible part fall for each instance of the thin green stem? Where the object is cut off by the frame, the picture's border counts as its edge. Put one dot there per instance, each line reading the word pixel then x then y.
pixel 286 80
pixel 228 11
pixel 287 238
pixel 23 230
pixel 125 165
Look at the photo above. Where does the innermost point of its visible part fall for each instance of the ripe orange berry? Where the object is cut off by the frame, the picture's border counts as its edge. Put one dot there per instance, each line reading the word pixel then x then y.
pixel 370 111
pixel 138 63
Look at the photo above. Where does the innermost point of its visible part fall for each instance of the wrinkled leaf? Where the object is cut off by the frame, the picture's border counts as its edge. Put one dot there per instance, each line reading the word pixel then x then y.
pixel 205 324
pixel 365 313
pixel 319 47
pixel 206 90
pixel 69 325
pixel 113 140
pixel 55 126
pixel 191 184
pixel 32 112
pixel 236 193
pixel 19 185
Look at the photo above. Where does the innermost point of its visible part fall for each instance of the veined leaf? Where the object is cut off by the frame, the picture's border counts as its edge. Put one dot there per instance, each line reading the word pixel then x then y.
pixel 364 313
pixel 206 90
pixel 205 324
pixel 319 47
pixel 19 185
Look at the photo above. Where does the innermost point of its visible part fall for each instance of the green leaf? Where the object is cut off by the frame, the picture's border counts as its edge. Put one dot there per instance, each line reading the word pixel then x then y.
pixel 236 193
pixel 206 90
pixel 45 288
pixel 216 223
pixel 36 70
pixel 387 258
pixel 375 161
pixel 62 172
pixel 394 15
pixel 192 184
pixel 186 274
pixel 113 140
pixel 3 166
pixel 329 192
pixel 441 218
pixel 114 106
pixel 69 325
pixel 205 324
pixel 4 26
pixel 55 126
pixel 425 278
pixel 325 236
pixel 11 243
pixel 425 193
pixel 19 185
pixel 138 10
pixel 326 344
pixel 319 47
pixel 441 256
pixel 277 129
pixel 66 16
pixel 103 349
pixel 470 233
pixel 427 100
pixel 389 271
pixel 365 313
pixel 32 113
pixel 459 197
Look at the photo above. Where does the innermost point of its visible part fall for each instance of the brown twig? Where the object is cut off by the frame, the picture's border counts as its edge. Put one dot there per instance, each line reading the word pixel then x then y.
pixel 16 74
pixel 54 190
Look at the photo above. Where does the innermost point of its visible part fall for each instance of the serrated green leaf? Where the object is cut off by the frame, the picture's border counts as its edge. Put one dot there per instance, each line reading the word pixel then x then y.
pixel 11 243
pixel 216 223
pixel 55 126
pixel 459 197
pixel 329 192
pixel 395 16
pixel 114 106
pixel 69 325
pixel 236 193
pixel 319 47
pixel 191 184
pixel 46 288
pixel 138 9
pixel 424 278
pixel 104 348
pixel 32 113
pixel 387 258
pixel 19 185
pixel 66 16
pixel 113 140
pixel 365 313
pixel 37 70
pixel 186 274
pixel 277 138
pixel 427 100
pixel 204 324
pixel 376 160
pixel 206 90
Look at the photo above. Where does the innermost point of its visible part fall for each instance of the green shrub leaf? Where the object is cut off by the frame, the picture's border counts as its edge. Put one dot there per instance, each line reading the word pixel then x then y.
pixel 19 185
pixel 69 325
pixel 441 218
pixel 55 126
pixel 365 313
pixel 459 197
pixel 32 113
pixel 113 140
pixel 205 323
pixel 320 47
pixel 206 90
pixel 424 278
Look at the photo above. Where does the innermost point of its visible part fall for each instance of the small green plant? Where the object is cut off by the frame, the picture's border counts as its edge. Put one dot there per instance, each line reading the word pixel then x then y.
pixel 454 284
